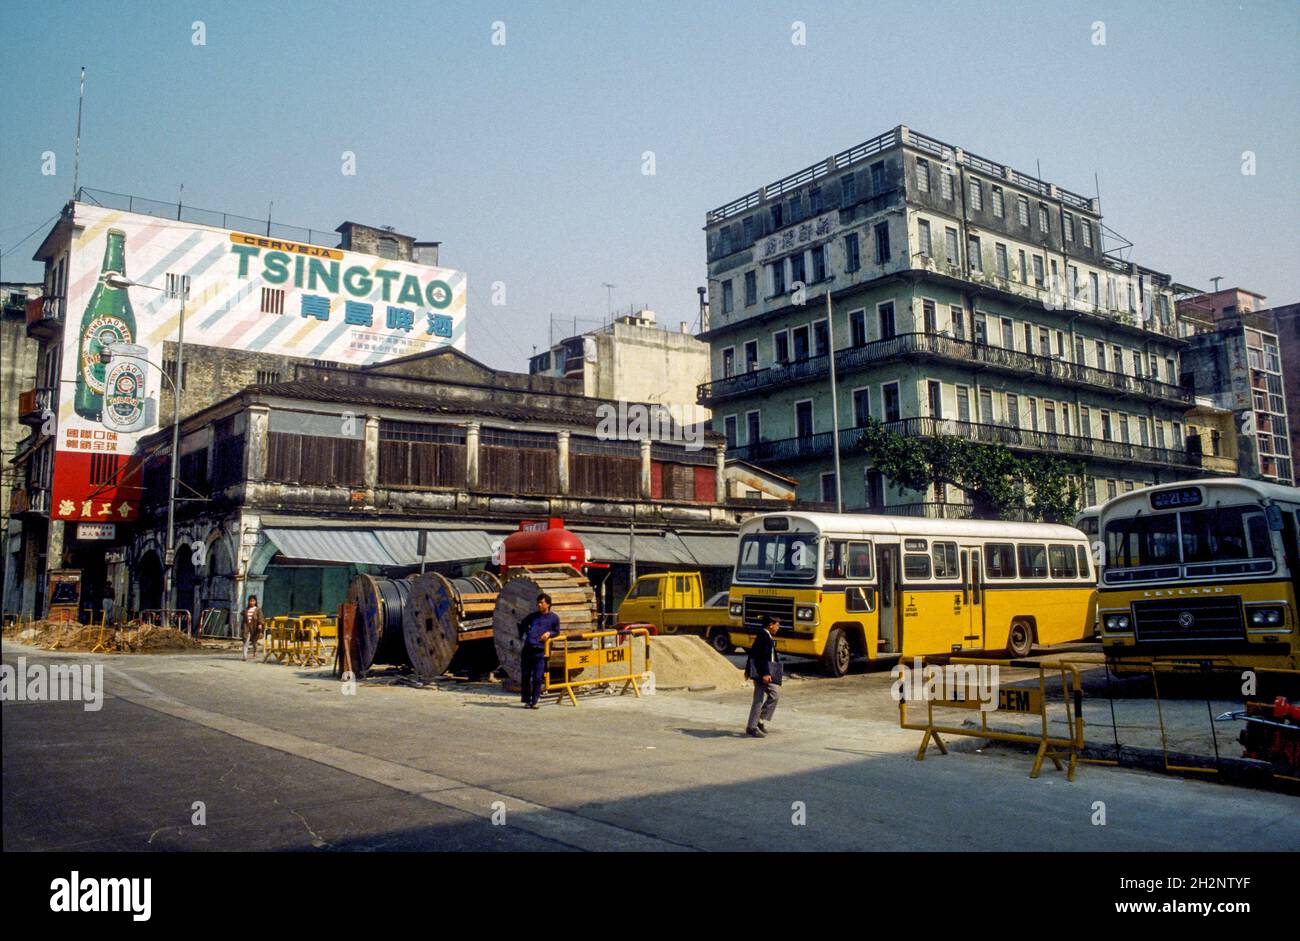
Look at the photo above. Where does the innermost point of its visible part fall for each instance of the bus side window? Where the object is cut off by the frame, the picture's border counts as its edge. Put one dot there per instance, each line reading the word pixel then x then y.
pixel 859 560
pixel 859 599
pixel 975 576
pixel 1082 554
pixel 834 567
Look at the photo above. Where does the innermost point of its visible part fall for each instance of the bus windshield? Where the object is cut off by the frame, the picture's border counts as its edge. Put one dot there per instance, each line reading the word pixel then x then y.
pixel 766 557
pixel 1209 535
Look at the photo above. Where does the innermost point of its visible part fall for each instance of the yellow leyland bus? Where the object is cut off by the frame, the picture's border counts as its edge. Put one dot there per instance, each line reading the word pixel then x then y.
pixel 844 585
pixel 1201 572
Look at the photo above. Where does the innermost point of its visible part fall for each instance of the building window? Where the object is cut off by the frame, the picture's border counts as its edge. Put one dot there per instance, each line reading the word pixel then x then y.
pixel 1085 422
pixel 729 429
pixel 799 335
pixel 1072 276
pixel 177 284
pixel 819 263
pixel 890 399
pixel 1022 210
pixel 861 407
pixel 828 487
pixel 1079 355
pixel 1105 426
pixel 272 301
pixel 169 367
pixel 1008 334
pixel 957 317
pixel 945 182
pixel 852 262
pixel 857 327
pixel 1029 338
pixel 820 343
pixel 751 355
pixel 749 230
pixel 1094 288
pixel 798 273
pixel 266 377
pixel 753 427
pixel 1004 267
pixel 727 301
pixel 928 318
pixel 848 190
pixel 1111 492
pixel 923 234
pixel 1040 276
pixel 1044 220
pixel 387 247
pixel 986 407
pixel 1067 226
pixel 934 393
pixel 1013 410
pixel 803 418
pixel 751 289
pixel 777 277
pixel 728 362
pixel 882 242
pixel 998 209
pixel 950 246
pixel 1087 234
pixel 973 252
pixel 976 196
pixel 922 176
pixel 1024 267
pixel 979 328
pixel 815 200
pixel 877 178
pixel 777 221
pixel 885 318
pixel 781 347
pixel 963 404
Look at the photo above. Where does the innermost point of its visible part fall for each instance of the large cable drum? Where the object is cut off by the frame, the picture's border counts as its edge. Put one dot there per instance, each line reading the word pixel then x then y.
pixel 572 599
pixel 379 637
pixel 431 624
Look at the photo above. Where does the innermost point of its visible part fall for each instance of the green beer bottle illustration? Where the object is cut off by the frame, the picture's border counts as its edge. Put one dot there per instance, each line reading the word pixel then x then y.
pixel 108 319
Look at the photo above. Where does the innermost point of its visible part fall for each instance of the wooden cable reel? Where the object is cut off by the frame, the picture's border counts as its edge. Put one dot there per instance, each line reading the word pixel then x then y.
pixel 572 599
pixel 378 634
pixel 438 615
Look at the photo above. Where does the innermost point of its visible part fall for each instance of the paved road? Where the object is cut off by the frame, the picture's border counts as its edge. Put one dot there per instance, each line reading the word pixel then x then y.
pixel 281 759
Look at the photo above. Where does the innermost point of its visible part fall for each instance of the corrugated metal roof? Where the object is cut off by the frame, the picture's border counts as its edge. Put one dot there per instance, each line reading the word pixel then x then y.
pixel 443 545
pixel 719 551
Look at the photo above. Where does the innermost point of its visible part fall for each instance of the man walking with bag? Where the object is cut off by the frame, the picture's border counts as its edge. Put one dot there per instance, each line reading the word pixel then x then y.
pixel 764 668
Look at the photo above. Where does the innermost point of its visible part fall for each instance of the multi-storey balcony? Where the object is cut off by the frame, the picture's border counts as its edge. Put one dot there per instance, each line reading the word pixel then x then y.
pixel 929 347
pixel 817 446
pixel 32 405
pixel 45 317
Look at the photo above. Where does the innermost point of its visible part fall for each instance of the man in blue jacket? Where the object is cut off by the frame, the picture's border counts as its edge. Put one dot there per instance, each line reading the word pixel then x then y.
pixel 534 631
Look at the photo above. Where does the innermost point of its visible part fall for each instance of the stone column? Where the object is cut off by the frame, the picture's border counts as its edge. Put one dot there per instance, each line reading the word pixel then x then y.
pixel 646 488
pixel 721 452
pixel 255 443
pixel 471 455
pixel 562 445
pixel 370 461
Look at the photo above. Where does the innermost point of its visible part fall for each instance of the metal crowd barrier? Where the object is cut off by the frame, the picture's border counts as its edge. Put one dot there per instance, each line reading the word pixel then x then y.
pixel 167 617
pixel 1031 701
pixel 300 639
pixel 603 657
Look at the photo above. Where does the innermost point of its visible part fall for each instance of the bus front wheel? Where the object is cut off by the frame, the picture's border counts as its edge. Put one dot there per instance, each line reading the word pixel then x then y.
pixel 1020 640
pixel 838 654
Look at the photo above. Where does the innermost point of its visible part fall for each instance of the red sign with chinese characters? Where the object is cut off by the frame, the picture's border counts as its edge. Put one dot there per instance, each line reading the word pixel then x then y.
pixel 75 497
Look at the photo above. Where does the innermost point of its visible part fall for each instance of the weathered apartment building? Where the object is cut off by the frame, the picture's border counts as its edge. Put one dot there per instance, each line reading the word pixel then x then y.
pixel 1234 356
pixel 967 298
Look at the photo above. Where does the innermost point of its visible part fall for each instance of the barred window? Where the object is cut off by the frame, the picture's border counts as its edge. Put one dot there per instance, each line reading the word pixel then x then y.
pixel 420 431
pixel 501 438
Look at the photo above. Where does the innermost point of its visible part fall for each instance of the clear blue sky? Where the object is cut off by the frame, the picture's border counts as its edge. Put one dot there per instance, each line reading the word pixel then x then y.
pixel 525 160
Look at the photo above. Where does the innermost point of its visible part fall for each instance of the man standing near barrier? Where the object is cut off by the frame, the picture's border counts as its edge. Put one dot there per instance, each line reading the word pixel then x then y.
pixel 534 631
pixel 764 669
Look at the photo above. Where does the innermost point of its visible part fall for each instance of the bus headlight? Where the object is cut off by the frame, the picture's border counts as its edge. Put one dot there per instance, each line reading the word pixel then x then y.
pixel 736 609
pixel 806 612
pixel 1116 622
pixel 1266 616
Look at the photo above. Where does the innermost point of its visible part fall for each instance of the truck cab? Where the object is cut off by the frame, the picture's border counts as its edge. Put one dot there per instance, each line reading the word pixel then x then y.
pixel 673 603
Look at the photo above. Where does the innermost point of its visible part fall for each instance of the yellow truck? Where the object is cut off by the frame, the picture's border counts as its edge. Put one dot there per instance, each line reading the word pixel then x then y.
pixel 673 603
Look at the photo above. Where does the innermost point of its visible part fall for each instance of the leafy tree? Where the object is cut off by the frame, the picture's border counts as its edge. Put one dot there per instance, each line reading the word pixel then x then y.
pixel 998 483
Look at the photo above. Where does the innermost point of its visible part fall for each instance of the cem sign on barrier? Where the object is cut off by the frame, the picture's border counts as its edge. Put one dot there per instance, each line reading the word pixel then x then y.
pixel 246 292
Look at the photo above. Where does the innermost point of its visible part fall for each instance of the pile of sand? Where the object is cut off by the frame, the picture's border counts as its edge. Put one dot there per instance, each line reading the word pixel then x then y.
pixel 69 635
pixel 683 661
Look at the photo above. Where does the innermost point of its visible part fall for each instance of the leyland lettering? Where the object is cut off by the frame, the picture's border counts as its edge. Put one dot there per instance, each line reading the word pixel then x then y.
pixel 315 274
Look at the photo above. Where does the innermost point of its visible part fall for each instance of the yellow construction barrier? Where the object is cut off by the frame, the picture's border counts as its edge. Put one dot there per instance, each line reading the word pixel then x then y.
pixel 1027 701
pixel 599 658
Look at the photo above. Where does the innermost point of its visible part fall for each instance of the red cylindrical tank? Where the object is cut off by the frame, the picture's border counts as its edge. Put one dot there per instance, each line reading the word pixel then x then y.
pixel 554 546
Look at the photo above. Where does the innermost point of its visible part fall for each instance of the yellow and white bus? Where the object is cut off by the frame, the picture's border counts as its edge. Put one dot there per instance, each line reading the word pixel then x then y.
pixel 844 585
pixel 1201 572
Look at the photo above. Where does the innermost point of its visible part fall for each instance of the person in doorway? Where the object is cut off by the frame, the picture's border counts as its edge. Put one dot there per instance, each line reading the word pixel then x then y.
pixel 759 668
pixel 253 623
pixel 535 630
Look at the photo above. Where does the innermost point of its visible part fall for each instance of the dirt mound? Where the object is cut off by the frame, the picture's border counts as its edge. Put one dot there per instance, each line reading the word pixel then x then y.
pixel 684 661
pixel 69 635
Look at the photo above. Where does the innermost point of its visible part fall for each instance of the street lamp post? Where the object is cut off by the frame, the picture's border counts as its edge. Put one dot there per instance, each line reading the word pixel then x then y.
pixel 183 289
